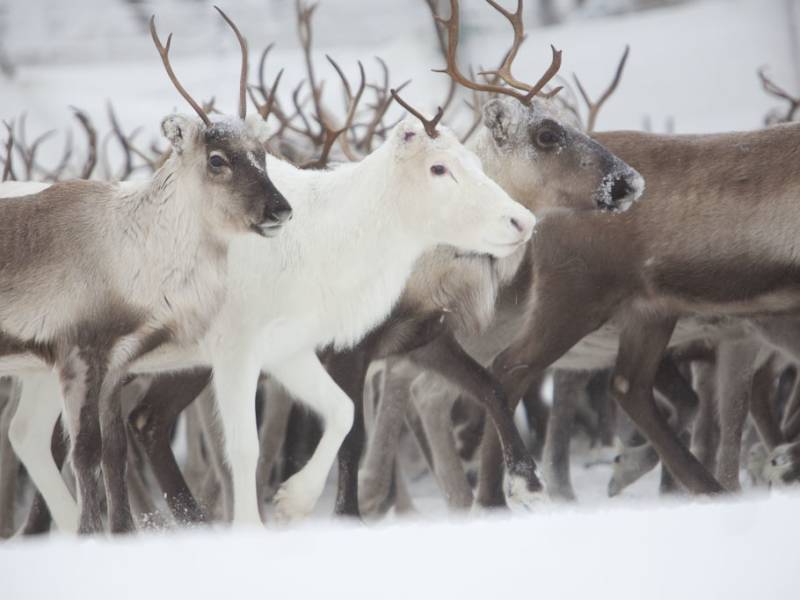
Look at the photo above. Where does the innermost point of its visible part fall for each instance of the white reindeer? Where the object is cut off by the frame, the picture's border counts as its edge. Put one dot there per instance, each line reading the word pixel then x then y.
pixel 93 275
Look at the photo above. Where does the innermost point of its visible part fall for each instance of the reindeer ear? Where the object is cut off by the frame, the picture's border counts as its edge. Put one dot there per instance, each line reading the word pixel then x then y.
pixel 259 128
pixel 407 135
pixel 498 119
pixel 179 130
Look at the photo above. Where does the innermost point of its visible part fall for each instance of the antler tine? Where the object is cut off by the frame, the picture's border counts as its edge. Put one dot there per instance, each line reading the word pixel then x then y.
pixel 504 70
pixel 452 25
pixel 91 140
pixel 594 107
pixel 163 51
pixel 429 124
pixel 8 171
pixel 774 89
pixel 243 76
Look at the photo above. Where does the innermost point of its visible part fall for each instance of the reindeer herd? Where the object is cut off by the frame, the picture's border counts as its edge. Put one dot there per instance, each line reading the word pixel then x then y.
pixel 393 279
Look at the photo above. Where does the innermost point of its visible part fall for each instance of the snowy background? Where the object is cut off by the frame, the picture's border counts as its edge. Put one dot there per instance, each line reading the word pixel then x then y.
pixel 692 64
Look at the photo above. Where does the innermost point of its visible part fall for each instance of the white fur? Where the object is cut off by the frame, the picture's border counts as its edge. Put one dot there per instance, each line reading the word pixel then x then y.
pixel 334 273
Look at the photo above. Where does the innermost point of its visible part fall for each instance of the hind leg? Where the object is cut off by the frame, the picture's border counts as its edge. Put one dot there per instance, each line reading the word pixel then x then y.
pixel 80 383
pixel 9 465
pixel 31 435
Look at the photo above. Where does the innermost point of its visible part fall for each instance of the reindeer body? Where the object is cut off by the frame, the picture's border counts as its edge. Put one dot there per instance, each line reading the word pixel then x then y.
pixel 729 251
pixel 86 243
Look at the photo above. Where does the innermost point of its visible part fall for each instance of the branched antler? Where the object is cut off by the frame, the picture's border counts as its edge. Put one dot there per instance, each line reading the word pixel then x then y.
pixel 428 124
pixel 773 89
pixel 331 134
pixel 305 33
pixel 594 107
pixel 528 92
pixel 383 99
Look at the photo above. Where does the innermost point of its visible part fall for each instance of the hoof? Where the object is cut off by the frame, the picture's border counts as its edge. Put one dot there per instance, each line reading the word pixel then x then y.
pixel 295 500
pixel 782 467
pixel 524 492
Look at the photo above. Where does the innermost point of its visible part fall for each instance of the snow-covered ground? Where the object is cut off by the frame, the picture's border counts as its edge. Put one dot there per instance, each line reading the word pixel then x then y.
pixel 731 550
pixel 696 64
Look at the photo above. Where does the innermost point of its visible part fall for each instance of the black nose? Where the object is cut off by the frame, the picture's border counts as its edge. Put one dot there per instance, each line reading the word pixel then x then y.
pixel 277 208
pixel 279 215
pixel 620 189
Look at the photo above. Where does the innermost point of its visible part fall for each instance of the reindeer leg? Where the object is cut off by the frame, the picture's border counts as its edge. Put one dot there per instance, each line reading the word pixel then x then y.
pixel 537 415
pixel 735 371
pixel 633 463
pixel 375 478
pixel 762 406
pixel 213 435
pixel 604 406
pixel 568 387
pixel 9 465
pixel 705 433
pixel 349 369
pixel 151 422
pixel 551 332
pixel 39 517
pixel 642 344
pixel 434 400
pixel 81 377
pixel 273 432
pixel 31 429
pixel 308 381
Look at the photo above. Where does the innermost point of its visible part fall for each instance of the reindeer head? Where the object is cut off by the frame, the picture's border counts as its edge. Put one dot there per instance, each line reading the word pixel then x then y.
pixel 544 160
pixel 224 159
pixel 533 149
pixel 450 197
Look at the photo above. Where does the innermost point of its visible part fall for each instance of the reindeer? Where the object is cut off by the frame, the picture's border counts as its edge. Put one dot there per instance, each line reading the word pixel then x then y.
pixel 132 266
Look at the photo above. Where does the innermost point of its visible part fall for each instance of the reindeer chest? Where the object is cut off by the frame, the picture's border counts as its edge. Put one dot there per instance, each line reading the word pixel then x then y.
pixel 188 301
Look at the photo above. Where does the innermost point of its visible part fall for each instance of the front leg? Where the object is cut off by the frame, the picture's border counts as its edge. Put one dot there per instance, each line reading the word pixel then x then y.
pixel 236 372
pixel 307 380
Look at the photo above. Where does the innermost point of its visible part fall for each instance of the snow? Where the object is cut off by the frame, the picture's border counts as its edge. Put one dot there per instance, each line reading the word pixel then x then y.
pixel 734 549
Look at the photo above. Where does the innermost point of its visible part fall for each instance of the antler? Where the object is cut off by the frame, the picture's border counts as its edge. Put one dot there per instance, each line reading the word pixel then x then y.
pixel 594 107
pixel 243 76
pixel 8 171
pixel 331 134
pixel 773 89
pixel 164 53
pixel 91 137
pixel 270 97
pixel 515 18
pixel 429 124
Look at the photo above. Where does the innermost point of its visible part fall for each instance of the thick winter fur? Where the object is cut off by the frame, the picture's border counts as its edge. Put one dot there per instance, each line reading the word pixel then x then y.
pixel 94 275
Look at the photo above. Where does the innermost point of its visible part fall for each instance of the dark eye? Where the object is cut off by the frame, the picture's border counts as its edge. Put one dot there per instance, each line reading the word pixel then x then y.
pixel 216 161
pixel 438 169
pixel 547 137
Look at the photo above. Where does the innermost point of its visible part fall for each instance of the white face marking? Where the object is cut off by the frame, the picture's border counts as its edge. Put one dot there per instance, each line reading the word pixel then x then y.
pixel 251 156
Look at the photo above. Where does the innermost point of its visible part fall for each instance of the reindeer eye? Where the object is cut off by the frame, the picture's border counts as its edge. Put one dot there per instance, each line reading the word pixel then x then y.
pixel 438 169
pixel 546 137
pixel 217 161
